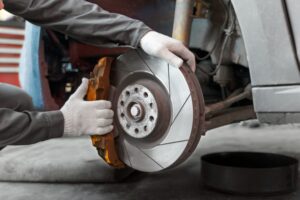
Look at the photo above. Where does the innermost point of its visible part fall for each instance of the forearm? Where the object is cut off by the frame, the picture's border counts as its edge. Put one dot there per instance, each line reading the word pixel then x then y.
pixel 81 20
pixel 20 128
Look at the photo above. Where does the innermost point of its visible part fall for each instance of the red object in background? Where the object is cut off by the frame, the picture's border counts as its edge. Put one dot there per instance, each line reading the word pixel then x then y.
pixel 11 41
pixel 10 78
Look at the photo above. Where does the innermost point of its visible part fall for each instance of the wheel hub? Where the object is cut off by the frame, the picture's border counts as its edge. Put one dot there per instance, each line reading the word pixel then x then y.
pixel 137 111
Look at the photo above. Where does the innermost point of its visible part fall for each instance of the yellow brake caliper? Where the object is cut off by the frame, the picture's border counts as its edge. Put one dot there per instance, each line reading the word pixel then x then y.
pixel 99 86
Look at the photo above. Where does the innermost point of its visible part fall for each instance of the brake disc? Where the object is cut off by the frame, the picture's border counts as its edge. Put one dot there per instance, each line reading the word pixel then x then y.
pixel 159 112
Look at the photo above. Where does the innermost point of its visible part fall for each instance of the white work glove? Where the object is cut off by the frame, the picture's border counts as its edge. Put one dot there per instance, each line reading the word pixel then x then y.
pixel 167 48
pixel 86 117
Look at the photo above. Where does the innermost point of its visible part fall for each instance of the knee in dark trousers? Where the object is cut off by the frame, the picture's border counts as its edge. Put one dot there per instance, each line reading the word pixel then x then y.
pixel 14 98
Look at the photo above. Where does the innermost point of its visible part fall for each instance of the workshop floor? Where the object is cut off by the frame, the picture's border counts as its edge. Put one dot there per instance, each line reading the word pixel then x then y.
pixel 183 182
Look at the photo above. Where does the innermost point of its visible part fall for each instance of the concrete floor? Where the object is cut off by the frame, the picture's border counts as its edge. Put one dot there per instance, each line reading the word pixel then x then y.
pixel 183 182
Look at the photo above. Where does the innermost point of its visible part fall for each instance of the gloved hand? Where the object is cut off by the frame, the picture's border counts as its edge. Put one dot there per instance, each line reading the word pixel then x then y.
pixel 86 117
pixel 169 49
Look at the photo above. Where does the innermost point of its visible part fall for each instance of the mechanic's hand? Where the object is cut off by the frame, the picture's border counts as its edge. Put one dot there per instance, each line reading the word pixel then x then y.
pixel 169 49
pixel 86 117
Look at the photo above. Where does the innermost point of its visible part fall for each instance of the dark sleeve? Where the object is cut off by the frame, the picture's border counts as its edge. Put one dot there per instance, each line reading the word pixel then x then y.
pixel 20 128
pixel 84 21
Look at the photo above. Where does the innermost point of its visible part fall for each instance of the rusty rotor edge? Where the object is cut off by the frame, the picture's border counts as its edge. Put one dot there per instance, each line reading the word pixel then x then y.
pixel 198 128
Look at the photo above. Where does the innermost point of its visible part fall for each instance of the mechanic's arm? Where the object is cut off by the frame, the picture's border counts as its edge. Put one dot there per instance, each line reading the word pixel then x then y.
pixel 84 21
pixel 20 128
pixel 89 23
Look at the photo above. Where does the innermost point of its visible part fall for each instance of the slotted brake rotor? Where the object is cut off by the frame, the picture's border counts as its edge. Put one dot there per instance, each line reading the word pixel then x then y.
pixel 159 112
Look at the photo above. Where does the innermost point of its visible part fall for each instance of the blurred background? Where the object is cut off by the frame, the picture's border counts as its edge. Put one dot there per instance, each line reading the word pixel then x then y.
pixel 11 43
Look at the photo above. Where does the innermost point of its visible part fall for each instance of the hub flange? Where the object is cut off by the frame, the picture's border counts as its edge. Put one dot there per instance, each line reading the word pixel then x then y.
pixel 137 111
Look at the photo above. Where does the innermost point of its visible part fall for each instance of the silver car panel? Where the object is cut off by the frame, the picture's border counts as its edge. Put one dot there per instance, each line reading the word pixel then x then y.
pixel 268 42
pixel 293 7
pixel 277 99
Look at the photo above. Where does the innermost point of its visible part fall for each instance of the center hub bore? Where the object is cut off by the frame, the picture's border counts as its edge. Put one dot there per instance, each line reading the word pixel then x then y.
pixel 137 111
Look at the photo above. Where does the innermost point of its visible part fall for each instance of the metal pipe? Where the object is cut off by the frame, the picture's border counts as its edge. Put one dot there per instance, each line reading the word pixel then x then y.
pixel 183 20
